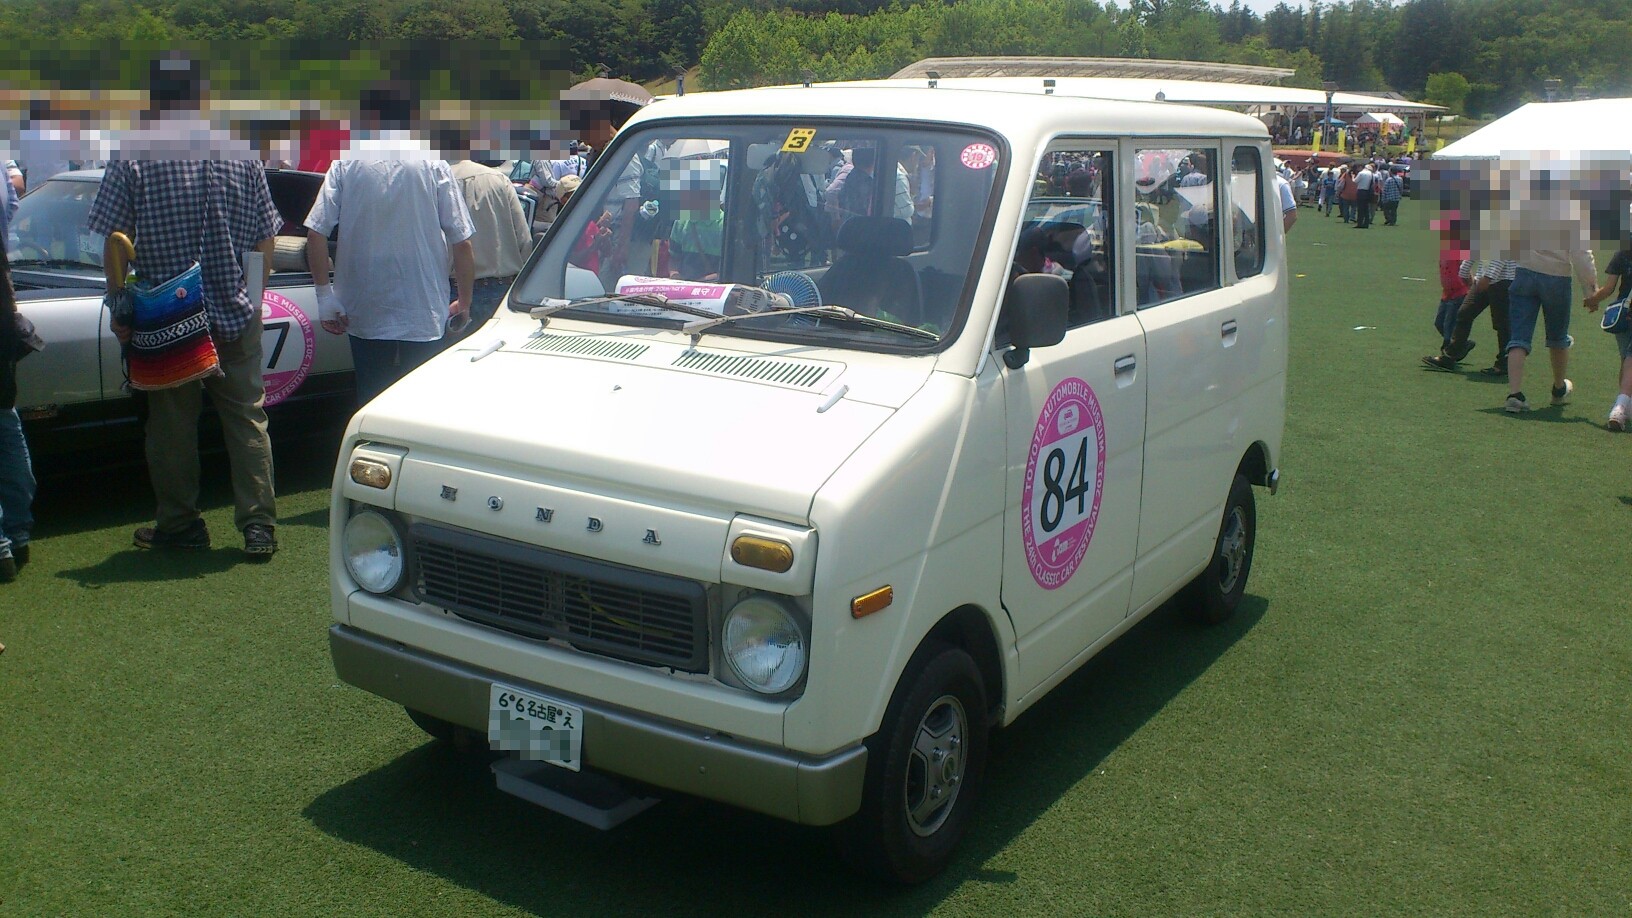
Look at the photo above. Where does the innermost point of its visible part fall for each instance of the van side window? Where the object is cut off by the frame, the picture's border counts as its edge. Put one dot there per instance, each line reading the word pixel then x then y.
pixel 1247 211
pixel 1068 229
pixel 1176 232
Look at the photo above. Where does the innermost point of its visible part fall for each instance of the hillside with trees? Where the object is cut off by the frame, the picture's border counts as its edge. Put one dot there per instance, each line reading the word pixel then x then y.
pixel 1479 56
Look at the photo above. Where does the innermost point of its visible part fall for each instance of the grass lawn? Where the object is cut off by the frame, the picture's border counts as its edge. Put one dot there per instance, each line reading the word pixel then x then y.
pixel 1424 707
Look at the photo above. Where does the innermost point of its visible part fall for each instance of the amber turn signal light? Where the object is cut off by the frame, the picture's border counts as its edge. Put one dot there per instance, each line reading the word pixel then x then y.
pixel 370 474
pixel 868 603
pixel 765 554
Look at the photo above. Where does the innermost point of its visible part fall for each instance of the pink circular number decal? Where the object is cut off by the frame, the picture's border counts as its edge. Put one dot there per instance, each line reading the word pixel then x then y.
pixel 979 155
pixel 287 346
pixel 1065 478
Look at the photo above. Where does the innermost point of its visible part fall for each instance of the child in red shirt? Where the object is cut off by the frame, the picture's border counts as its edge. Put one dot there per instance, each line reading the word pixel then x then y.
pixel 1454 269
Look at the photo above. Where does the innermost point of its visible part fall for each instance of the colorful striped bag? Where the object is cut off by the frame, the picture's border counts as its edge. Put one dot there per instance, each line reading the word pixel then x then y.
pixel 170 340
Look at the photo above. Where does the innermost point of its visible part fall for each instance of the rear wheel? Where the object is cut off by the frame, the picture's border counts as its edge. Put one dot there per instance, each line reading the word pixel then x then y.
pixel 923 770
pixel 1217 591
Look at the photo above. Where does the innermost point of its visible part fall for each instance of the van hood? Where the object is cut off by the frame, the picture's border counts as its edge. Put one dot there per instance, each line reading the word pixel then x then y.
pixel 704 438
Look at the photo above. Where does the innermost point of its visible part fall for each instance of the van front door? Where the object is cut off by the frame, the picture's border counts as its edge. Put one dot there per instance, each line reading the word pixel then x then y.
pixel 1075 419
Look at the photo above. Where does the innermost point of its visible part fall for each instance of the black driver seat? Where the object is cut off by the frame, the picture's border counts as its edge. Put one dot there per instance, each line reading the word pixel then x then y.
pixel 872 274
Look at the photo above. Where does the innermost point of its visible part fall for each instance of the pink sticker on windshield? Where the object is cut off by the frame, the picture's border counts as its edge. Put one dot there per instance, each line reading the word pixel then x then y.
pixel 287 346
pixel 1065 478
pixel 979 155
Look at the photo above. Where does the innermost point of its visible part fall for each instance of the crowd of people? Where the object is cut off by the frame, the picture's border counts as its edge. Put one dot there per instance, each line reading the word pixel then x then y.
pixel 195 200
pixel 1519 265
pixel 1359 190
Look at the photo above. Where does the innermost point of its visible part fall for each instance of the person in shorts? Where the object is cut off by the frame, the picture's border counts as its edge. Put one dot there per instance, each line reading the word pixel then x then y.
pixel 1619 275
pixel 1549 241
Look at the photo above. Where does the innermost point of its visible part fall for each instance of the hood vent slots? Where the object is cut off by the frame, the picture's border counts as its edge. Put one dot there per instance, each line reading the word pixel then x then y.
pixel 584 346
pixel 759 369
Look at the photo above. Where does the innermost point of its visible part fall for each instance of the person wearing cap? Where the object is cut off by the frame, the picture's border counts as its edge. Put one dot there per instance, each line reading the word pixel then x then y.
pixel 401 216
pixel 502 239
pixel 185 193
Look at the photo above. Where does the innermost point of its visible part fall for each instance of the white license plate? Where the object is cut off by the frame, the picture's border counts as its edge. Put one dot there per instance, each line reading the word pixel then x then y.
pixel 541 729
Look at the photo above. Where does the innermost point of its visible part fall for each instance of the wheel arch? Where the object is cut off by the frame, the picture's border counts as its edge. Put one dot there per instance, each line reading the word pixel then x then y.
pixel 968 628
pixel 1256 465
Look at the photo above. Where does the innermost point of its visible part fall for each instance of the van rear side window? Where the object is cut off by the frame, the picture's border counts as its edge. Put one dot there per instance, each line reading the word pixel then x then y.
pixel 1247 211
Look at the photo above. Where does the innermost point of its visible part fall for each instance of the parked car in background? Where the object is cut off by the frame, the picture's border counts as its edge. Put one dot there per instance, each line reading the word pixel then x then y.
pixel 72 396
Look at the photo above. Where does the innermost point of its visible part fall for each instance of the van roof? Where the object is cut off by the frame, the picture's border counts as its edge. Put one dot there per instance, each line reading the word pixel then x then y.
pixel 1007 108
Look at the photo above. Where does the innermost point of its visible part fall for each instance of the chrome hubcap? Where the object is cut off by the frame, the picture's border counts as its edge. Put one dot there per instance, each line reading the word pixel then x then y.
pixel 935 767
pixel 1232 549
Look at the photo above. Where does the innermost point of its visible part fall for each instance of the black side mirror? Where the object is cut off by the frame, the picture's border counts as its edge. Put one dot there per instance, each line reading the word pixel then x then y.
pixel 1037 307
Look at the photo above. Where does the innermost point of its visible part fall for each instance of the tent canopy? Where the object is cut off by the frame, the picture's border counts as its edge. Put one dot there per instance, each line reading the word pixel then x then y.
pixel 1596 124
pixel 1378 118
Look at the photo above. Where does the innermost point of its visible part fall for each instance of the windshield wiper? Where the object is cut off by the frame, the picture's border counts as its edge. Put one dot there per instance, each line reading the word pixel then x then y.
pixel 551 306
pixel 827 310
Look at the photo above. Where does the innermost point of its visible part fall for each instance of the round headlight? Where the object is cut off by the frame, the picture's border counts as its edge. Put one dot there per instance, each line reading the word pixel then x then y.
pixel 763 645
pixel 373 552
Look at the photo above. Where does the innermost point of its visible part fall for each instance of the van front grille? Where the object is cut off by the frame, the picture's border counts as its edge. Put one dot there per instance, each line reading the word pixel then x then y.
pixel 596 607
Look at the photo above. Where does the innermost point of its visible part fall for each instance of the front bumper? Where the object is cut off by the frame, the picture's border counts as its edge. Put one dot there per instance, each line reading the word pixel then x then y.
pixel 814 790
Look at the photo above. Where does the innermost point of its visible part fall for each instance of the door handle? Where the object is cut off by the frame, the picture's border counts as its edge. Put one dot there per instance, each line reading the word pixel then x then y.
pixel 1227 332
pixel 1125 365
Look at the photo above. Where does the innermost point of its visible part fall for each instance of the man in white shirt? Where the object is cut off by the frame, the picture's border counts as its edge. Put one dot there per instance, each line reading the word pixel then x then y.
pixel 1289 201
pixel 400 213
pixel 502 241
pixel 1364 183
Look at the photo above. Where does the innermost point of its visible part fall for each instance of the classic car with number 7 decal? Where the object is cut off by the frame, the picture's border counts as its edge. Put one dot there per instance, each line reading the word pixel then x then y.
pixel 73 397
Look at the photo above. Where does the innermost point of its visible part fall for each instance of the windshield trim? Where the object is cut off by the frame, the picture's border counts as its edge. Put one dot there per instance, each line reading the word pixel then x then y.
pixel 971 279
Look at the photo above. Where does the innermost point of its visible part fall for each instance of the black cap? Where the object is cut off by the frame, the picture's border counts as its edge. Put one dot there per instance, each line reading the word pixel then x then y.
pixel 175 78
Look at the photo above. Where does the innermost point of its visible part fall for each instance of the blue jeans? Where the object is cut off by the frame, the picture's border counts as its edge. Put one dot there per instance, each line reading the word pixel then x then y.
pixel 16 484
pixel 1534 294
pixel 1445 318
pixel 379 363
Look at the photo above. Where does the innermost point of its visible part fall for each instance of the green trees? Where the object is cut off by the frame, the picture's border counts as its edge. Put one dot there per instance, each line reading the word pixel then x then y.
pixel 1447 89
pixel 1503 49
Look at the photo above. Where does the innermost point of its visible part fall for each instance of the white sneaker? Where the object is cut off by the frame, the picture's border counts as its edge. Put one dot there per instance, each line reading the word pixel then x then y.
pixel 1562 395
pixel 1617 418
pixel 1517 403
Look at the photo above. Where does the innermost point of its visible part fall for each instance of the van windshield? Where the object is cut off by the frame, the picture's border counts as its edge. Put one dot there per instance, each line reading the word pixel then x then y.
pixel 883 220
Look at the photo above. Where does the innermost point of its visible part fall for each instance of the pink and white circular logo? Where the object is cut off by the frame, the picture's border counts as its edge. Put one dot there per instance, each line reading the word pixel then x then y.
pixel 1065 478
pixel 979 155
pixel 287 346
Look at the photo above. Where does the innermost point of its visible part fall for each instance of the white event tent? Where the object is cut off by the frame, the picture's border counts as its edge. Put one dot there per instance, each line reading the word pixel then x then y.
pixel 1594 124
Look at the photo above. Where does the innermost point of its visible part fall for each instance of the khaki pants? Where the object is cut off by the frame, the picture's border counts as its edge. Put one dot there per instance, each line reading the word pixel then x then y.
pixel 172 437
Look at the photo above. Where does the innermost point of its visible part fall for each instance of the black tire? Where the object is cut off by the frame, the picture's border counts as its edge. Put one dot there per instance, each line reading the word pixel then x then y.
pixel 1217 591
pixel 463 740
pixel 923 770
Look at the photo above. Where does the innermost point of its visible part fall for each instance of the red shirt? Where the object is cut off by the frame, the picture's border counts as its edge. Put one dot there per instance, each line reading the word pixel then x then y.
pixel 1451 284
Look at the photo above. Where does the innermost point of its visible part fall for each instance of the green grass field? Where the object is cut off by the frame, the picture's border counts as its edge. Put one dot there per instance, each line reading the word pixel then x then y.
pixel 1423 709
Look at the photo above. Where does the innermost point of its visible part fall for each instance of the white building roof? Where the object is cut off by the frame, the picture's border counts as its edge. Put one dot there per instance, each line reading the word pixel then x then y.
pixel 1195 92
pixel 1092 67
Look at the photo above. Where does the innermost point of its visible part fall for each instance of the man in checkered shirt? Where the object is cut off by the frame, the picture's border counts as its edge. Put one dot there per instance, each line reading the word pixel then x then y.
pixel 184 192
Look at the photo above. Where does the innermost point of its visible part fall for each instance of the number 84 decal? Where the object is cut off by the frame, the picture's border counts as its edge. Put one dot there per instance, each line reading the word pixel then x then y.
pixel 1065 479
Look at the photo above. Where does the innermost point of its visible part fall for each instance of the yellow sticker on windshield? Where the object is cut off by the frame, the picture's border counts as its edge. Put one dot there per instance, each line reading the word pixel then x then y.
pixel 798 140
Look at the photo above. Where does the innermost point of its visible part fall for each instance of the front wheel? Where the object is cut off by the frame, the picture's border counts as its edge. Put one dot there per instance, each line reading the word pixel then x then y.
pixel 1217 591
pixel 923 770
pixel 462 740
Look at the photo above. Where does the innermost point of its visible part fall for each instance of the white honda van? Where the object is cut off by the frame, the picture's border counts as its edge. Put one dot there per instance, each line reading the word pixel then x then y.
pixel 827 430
